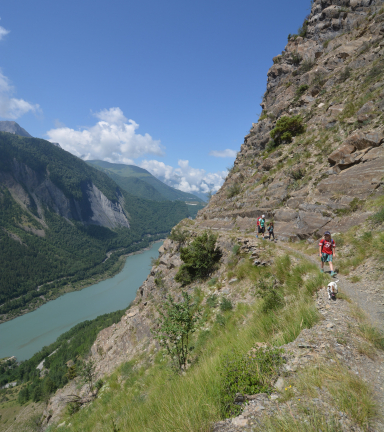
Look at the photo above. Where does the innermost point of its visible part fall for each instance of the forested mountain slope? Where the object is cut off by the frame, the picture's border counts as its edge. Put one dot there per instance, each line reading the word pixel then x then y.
pixel 140 182
pixel 59 217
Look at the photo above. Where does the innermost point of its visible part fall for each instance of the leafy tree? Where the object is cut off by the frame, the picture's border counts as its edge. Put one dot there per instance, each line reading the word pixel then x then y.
pixel 200 258
pixel 179 235
pixel 286 128
pixel 175 327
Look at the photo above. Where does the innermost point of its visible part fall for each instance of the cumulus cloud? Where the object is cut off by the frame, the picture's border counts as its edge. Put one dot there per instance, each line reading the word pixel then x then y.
pixel 113 138
pixel 3 32
pixel 227 153
pixel 185 177
pixel 11 107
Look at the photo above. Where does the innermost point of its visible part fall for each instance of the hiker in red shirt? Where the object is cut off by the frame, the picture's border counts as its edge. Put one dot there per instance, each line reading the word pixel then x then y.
pixel 327 250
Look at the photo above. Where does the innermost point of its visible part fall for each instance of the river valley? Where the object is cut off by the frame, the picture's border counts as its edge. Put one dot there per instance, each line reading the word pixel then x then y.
pixel 27 334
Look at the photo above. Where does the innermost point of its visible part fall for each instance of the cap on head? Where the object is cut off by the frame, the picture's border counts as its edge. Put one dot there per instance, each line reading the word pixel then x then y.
pixel 327 233
pixel 263 216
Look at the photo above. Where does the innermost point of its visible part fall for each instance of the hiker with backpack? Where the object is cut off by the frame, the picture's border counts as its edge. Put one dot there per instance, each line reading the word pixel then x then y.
pixel 270 230
pixel 327 251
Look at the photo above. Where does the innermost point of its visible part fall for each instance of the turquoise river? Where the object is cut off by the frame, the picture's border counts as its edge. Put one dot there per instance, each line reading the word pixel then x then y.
pixel 24 336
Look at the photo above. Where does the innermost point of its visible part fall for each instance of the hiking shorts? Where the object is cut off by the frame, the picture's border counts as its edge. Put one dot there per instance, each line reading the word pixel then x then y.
pixel 261 230
pixel 326 257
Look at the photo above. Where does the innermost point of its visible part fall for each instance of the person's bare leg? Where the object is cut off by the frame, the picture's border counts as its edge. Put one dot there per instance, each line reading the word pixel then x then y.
pixel 331 266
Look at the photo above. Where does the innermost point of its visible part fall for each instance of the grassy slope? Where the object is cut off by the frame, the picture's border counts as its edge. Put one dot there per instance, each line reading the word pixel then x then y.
pixel 151 398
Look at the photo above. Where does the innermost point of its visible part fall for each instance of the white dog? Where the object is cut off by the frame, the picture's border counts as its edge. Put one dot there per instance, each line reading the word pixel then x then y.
pixel 332 290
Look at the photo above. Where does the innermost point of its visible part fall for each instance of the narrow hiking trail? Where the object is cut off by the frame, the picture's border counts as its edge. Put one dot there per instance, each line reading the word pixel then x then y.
pixel 367 294
pixel 334 343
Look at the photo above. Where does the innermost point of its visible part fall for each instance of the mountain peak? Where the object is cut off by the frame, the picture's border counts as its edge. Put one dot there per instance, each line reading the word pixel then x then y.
pixel 14 128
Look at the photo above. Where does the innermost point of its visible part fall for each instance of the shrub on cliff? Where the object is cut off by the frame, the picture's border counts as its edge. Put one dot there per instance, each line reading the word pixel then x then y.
pixel 178 321
pixel 286 128
pixel 200 259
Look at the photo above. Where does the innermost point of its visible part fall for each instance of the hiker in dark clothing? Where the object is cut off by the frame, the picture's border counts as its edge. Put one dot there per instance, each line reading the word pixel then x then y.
pixel 270 230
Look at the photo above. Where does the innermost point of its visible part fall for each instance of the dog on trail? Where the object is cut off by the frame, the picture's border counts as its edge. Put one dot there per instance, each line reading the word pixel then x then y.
pixel 332 290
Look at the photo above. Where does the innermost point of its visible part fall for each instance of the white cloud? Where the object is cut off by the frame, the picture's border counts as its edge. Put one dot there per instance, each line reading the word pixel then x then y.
pixel 10 107
pixel 227 153
pixel 3 32
pixel 113 138
pixel 185 178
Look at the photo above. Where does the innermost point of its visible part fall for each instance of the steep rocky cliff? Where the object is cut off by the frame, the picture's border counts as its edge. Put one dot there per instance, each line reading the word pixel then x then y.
pixel 333 78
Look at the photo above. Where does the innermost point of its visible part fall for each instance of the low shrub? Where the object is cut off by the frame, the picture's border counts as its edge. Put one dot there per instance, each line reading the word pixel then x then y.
pixel 200 259
pixel 251 373
pixel 297 173
pixel 225 304
pixel 306 66
pixel 302 89
pixel 296 58
pixel 233 190
pixel 286 128
pixel 378 217
pixel 345 74
pixel 326 43
pixel 212 301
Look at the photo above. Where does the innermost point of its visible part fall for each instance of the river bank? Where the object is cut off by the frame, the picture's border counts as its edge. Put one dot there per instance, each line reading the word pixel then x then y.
pixel 115 269
pixel 27 334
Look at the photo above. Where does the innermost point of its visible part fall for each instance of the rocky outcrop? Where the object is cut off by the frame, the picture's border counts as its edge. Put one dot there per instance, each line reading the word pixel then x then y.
pixel 333 77
pixel 13 128
pixel 34 191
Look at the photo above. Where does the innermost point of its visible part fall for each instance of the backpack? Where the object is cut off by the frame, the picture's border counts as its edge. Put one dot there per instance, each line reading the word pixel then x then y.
pixel 258 221
pixel 322 241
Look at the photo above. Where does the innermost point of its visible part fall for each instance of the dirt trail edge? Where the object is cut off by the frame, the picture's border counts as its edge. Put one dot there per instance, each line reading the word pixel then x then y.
pixel 333 345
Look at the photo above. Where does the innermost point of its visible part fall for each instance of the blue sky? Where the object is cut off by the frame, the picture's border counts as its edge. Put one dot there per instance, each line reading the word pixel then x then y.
pixel 158 84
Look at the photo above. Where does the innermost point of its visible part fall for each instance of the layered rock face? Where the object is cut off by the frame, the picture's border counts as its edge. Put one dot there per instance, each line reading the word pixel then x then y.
pixel 32 190
pixel 333 77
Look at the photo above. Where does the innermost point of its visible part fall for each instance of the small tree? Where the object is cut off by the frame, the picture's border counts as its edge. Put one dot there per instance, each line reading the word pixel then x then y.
pixel 87 373
pixel 176 325
pixel 179 235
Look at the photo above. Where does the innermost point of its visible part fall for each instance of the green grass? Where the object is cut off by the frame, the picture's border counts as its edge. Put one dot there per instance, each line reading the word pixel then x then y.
pixel 155 399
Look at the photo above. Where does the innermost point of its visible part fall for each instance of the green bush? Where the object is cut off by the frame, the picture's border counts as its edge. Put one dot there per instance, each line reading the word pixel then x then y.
pixel 296 58
pixel 286 128
pixel 303 29
pixel 297 173
pixel 225 304
pixel 212 301
pixel 200 259
pixel 302 89
pixel 345 74
pixel 236 249
pixel 179 235
pixel 378 217
pixel 233 190
pixel 307 66
pixel 247 374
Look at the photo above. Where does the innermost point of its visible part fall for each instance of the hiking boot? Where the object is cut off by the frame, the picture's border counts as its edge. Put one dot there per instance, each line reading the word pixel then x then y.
pixel 321 271
pixel 333 273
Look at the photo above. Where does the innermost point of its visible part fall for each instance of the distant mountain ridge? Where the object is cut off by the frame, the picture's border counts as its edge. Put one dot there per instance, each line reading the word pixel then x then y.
pixel 136 181
pixel 13 128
